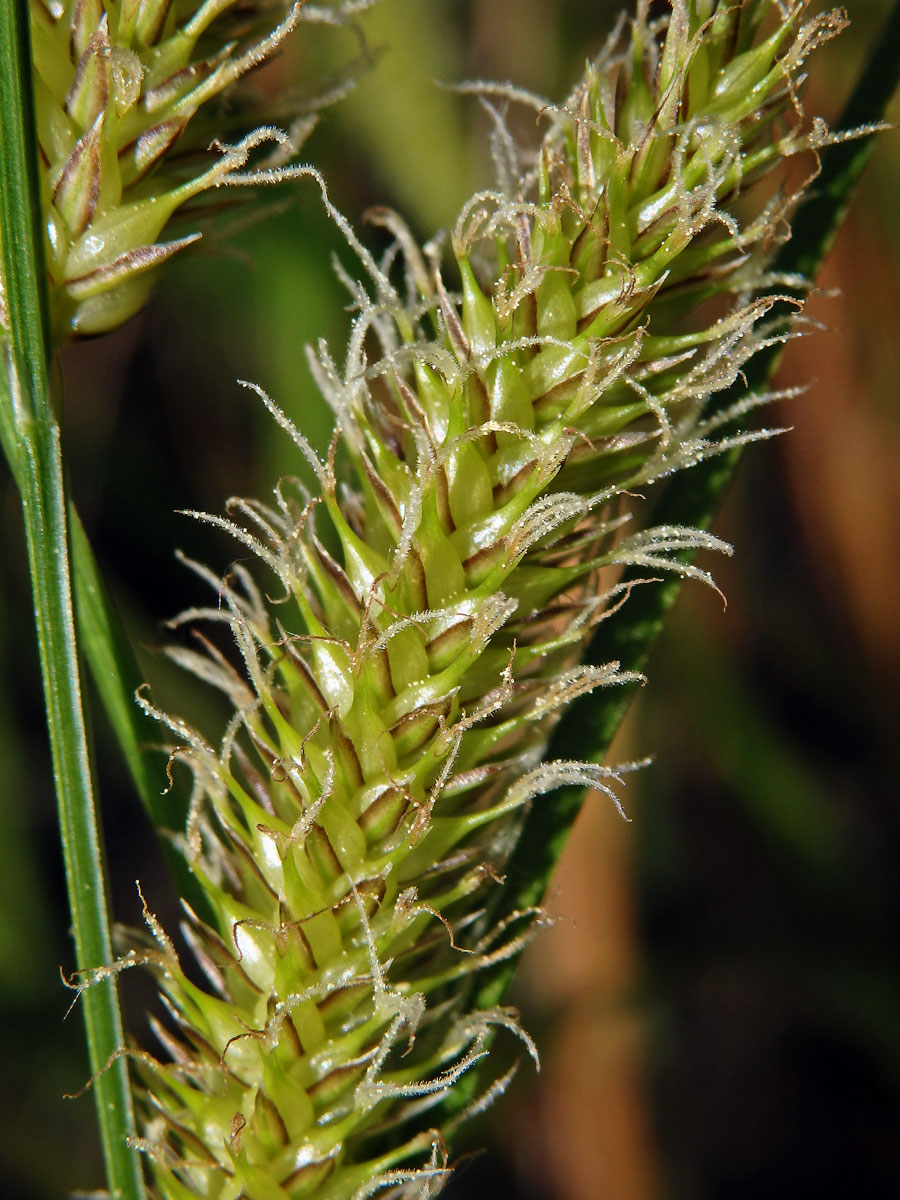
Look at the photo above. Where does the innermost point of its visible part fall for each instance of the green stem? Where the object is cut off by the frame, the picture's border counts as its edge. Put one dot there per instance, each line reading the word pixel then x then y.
pixel 31 439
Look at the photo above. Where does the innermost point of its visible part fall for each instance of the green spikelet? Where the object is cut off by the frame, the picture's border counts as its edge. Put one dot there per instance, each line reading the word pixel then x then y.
pixel 388 735
pixel 127 93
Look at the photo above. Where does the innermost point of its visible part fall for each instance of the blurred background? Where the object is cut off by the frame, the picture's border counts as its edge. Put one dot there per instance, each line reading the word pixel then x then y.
pixel 718 1003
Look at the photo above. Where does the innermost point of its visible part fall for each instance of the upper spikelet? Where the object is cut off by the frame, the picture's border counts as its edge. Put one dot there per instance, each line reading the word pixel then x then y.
pixel 397 693
pixel 131 128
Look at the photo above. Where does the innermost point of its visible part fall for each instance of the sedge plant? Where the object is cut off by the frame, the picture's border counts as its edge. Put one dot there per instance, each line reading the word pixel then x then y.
pixel 429 595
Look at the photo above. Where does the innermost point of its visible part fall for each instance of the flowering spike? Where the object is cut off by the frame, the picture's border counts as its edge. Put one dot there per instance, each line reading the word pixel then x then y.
pixel 401 691
pixel 128 99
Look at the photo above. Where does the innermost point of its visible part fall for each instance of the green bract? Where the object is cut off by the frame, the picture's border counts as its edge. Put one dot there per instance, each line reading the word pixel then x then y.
pixel 398 692
pixel 130 130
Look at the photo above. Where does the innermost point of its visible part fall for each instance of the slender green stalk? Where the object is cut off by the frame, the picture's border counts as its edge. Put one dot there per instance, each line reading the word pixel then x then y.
pixel 31 439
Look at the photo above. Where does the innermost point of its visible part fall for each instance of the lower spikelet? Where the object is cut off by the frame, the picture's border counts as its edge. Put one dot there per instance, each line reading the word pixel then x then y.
pixel 395 700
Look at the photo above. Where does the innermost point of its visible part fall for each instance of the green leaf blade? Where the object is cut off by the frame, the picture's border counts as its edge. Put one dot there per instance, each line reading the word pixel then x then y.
pixel 692 498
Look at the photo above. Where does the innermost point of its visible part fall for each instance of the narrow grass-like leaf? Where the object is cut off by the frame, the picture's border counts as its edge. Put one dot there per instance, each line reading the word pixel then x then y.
pixel 31 438
pixel 691 499
pixel 117 676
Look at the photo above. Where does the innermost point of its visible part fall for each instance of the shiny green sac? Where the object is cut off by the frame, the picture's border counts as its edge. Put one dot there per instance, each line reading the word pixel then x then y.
pixel 394 702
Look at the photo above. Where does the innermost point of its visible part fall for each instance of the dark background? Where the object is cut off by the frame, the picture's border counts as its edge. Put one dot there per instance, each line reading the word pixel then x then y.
pixel 718 1007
